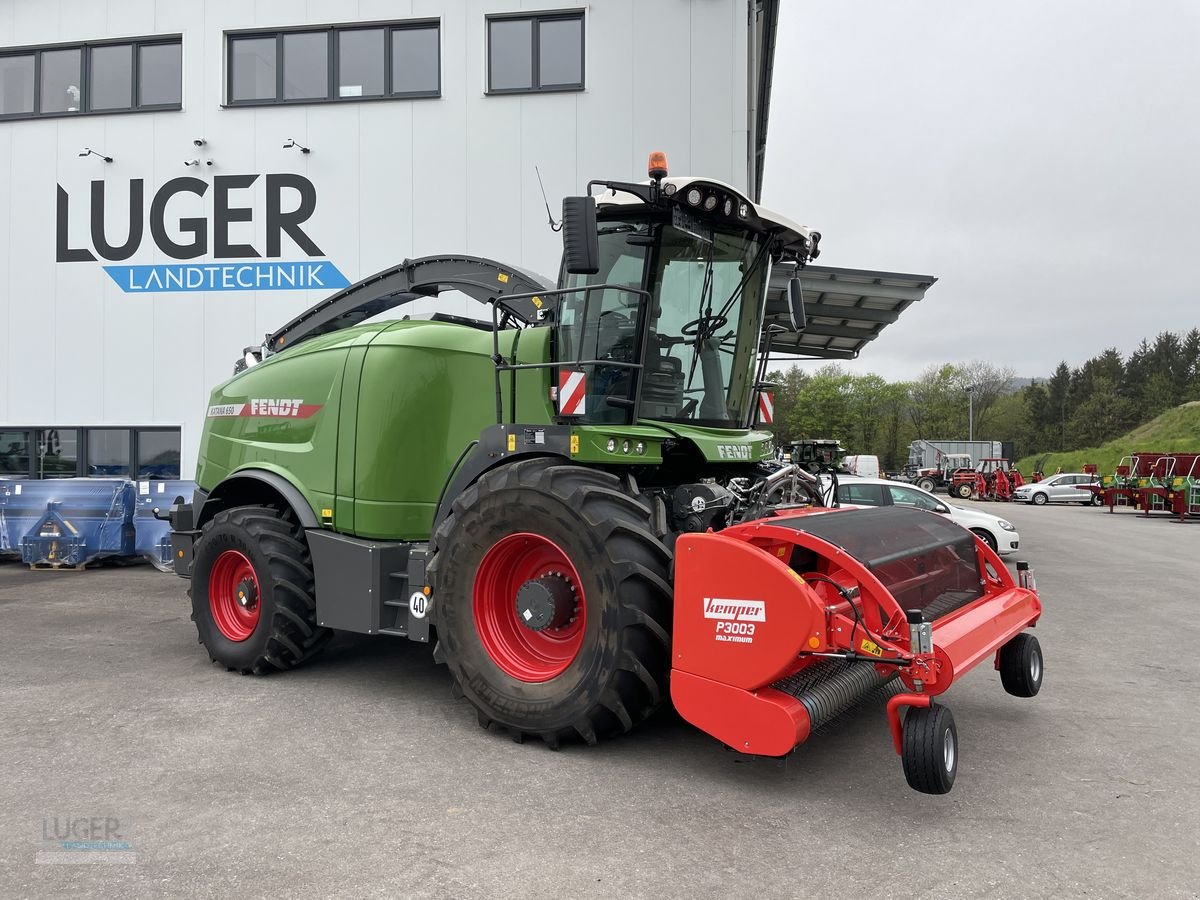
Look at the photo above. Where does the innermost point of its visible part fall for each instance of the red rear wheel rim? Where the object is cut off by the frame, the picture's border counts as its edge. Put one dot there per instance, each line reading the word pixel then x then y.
pixel 524 654
pixel 233 595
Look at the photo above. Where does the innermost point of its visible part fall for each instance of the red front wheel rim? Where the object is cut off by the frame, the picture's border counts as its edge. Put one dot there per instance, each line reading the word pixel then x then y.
pixel 233 595
pixel 518 651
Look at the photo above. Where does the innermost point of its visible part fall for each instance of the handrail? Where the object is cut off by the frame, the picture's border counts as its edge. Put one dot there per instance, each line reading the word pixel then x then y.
pixel 501 365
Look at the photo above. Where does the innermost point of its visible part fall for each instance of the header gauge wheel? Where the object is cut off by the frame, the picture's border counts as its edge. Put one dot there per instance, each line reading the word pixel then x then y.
pixel 552 601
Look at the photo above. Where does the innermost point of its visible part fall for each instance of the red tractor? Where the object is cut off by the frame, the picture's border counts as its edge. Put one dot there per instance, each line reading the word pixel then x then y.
pixel 993 479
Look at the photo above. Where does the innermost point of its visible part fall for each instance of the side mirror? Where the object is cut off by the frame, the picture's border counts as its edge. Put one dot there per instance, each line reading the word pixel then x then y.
pixel 581 242
pixel 795 296
pixel 943 509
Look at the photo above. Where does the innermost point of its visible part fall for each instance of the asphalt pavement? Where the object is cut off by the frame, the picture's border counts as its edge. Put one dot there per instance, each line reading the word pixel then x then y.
pixel 359 775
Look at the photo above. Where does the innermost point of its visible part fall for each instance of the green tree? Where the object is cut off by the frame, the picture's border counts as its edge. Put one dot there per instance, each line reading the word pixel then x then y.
pixel 1101 417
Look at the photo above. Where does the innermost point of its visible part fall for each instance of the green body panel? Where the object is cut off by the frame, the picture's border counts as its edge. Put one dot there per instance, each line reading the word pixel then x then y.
pixel 427 391
pixel 343 511
pixel 716 445
pixel 302 448
pixel 724 445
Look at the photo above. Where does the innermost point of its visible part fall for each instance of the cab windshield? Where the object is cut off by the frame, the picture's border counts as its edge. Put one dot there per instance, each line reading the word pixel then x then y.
pixel 706 287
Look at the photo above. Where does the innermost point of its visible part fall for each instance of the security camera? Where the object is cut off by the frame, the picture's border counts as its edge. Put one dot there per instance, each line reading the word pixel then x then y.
pixel 191 162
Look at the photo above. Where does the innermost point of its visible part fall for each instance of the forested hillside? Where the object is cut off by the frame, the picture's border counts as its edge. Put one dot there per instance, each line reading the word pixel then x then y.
pixel 1074 408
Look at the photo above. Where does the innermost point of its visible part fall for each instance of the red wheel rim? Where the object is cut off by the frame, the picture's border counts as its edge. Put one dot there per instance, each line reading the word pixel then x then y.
pixel 524 654
pixel 233 595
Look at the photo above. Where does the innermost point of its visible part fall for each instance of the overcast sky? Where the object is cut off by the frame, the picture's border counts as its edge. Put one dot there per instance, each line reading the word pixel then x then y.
pixel 1040 157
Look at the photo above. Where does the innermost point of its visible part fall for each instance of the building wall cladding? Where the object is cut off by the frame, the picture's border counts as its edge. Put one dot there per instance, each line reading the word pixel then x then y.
pixel 393 179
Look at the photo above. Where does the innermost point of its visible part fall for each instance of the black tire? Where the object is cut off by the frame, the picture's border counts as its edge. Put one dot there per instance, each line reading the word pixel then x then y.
pixel 926 484
pixel 929 749
pixel 286 633
pixel 987 538
pixel 619 675
pixel 962 490
pixel 1039 498
pixel 1021 666
pixel 1097 500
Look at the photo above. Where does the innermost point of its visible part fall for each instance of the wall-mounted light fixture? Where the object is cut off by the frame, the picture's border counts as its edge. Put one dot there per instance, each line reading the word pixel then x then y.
pixel 292 143
pixel 88 151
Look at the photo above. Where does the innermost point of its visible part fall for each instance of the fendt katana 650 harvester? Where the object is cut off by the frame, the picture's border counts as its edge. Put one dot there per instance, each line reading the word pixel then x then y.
pixel 572 499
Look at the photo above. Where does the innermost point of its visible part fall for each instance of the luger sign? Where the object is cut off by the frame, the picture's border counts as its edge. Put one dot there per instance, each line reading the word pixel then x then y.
pixel 194 232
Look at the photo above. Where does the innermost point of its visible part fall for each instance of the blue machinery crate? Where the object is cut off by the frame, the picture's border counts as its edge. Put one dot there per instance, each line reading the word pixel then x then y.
pixel 69 522
pixel 153 535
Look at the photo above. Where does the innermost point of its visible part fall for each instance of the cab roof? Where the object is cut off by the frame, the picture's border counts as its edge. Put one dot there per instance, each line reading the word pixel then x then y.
pixel 800 238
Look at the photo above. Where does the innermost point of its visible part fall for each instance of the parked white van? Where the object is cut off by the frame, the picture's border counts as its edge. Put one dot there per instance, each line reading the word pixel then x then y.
pixel 862 466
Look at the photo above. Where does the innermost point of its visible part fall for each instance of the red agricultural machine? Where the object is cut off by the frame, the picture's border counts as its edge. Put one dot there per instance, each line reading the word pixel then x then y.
pixel 1153 482
pixel 784 623
pixel 1183 497
pixel 993 479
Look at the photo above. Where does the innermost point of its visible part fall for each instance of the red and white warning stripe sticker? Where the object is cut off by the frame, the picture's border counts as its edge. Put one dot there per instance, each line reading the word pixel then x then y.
pixel 766 407
pixel 266 408
pixel 572 393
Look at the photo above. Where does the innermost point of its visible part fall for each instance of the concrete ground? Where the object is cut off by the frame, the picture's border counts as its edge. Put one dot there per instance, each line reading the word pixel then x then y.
pixel 360 776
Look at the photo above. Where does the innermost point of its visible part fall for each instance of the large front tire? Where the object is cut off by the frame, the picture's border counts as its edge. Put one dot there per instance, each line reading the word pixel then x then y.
pixel 552 601
pixel 252 592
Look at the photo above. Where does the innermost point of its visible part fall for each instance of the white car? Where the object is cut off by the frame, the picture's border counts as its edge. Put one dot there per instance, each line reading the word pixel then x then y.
pixel 997 533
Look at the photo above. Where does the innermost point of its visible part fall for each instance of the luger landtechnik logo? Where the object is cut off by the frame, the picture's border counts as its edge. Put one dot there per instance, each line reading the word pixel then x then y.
pixel 188 238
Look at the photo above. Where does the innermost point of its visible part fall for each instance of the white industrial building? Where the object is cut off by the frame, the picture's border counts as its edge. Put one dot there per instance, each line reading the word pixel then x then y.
pixel 178 179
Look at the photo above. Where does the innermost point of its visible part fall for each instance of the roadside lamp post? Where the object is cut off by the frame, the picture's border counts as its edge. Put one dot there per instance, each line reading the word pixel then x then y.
pixel 970 412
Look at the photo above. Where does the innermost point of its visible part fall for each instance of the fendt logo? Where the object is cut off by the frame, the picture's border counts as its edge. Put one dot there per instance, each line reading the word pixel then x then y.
pixel 735 610
pixel 270 409
pixel 188 237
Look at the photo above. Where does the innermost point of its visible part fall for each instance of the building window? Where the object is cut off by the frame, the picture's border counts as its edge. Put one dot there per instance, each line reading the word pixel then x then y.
pixel 332 64
pixel 57 455
pixel 112 452
pixel 160 76
pixel 100 77
pixel 535 53
pixel 14 454
pixel 108 451
pixel 158 452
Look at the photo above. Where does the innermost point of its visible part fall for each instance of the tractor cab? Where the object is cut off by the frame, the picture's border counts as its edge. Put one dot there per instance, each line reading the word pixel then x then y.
pixel 662 293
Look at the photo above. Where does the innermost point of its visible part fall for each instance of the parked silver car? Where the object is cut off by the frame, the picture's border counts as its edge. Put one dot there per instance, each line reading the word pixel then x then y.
pixel 1059 489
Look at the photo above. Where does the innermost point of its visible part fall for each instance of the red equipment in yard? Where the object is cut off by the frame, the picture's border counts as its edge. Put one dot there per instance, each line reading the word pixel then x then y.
pixel 993 479
pixel 1121 486
pixel 784 623
pixel 1184 497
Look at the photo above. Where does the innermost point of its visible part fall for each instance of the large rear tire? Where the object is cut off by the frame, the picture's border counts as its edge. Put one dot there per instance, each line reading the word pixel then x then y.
pixel 926 484
pixel 252 592
pixel 552 601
